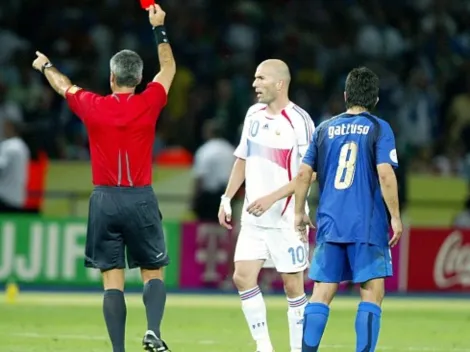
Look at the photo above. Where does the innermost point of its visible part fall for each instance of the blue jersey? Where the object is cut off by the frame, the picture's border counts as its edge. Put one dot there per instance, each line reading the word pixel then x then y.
pixel 344 152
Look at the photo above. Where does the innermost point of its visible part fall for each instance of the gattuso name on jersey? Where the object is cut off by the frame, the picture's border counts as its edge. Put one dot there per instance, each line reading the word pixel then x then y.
pixel 345 129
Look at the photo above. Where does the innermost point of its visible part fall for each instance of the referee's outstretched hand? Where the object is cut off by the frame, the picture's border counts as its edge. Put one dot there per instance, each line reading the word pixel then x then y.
pixel 156 15
pixel 40 60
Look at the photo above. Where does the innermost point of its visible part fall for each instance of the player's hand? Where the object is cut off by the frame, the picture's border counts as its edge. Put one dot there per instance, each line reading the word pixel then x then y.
pixel 40 60
pixel 302 225
pixel 225 213
pixel 397 228
pixel 260 206
pixel 156 15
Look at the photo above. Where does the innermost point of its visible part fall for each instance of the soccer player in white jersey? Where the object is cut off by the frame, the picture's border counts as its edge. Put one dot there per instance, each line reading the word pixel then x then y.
pixel 276 135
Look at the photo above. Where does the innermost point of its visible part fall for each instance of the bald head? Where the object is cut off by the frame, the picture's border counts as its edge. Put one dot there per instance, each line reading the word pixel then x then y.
pixel 272 79
pixel 278 69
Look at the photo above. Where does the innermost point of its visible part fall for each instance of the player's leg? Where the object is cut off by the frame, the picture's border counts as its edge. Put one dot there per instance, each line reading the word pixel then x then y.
pixel 250 254
pixel 290 257
pixel 146 249
pixel 104 250
pixel 371 264
pixel 329 267
pixel 297 301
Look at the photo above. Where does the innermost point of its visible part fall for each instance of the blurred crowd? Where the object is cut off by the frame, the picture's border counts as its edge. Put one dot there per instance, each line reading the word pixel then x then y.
pixel 419 48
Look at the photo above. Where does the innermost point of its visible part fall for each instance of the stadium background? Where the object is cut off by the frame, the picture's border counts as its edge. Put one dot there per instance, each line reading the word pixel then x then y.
pixel 420 49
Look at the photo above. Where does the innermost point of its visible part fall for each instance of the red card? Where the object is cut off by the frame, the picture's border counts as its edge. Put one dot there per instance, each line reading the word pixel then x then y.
pixel 146 3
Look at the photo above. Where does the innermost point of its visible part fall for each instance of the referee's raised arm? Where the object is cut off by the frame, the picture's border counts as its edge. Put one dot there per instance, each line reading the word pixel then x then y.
pixel 165 54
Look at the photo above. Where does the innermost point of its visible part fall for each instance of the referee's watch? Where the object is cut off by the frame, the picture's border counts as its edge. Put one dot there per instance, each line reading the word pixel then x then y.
pixel 46 65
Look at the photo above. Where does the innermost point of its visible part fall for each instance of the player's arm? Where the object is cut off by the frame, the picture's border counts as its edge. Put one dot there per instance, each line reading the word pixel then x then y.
pixel 261 205
pixel 165 54
pixel 389 187
pixel 302 184
pixel 387 160
pixel 237 176
pixel 305 176
pixel 57 80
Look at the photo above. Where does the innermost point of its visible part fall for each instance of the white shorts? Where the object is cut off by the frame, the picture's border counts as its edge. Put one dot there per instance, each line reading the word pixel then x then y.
pixel 281 246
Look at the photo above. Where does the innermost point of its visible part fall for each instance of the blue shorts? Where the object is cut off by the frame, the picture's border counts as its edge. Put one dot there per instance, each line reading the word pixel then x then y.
pixel 357 262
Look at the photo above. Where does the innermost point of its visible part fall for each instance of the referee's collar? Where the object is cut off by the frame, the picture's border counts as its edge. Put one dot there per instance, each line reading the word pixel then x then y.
pixel 116 96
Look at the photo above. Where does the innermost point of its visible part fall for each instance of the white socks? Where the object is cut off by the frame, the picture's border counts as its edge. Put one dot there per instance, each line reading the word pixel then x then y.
pixel 254 308
pixel 295 318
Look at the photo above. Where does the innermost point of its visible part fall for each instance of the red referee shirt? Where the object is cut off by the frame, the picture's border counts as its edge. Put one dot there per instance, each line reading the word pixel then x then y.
pixel 121 132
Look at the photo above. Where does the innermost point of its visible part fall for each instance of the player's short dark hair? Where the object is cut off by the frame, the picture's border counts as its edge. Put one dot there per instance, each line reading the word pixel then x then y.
pixel 127 67
pixel 362 88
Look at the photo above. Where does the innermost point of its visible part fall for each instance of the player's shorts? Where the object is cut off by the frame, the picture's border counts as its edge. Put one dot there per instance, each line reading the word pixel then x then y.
pixel 281 246
pixel 357 262
pixel 125 219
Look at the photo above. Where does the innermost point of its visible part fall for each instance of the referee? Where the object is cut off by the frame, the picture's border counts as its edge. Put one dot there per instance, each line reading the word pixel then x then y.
pixel 123 210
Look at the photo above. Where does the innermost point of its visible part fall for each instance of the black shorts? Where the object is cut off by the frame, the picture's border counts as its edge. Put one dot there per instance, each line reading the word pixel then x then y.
pixel 125 219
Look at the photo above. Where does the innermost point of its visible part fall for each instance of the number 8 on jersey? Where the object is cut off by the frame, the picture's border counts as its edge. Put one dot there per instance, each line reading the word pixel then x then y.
pixel 346 166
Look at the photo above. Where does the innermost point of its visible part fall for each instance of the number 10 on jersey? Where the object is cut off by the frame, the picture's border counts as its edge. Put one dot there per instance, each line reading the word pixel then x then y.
pixel 346 166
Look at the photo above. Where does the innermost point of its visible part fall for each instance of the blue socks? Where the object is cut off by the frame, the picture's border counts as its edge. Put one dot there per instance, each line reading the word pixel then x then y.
pixel 315 319
pixel 367 326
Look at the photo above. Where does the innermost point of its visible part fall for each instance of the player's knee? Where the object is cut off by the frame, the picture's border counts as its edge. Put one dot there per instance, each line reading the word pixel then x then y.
pixel 373 291
pixel 151 274
pixel 324 292
pixel 113 279
pixel 243 281
pixel 293 284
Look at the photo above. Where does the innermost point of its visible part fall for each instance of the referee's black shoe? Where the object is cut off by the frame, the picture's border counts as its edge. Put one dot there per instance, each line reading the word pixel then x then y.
pixel 152 343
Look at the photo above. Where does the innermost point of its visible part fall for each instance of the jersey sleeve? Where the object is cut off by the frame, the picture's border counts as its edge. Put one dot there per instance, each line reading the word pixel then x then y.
pixel 81 101
pixel 386 152
pixel 310 157
pixel 303 128
pixel 155 97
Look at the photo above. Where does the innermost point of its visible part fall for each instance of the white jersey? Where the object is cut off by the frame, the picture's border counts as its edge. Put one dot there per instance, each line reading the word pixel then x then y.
pixel 273 147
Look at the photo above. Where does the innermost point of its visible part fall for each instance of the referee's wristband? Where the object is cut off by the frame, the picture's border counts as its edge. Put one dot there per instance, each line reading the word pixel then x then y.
pixel 160 35
pixel 46 65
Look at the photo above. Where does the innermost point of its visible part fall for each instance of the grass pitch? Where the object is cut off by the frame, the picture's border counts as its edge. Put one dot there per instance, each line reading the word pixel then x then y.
pixel 193 323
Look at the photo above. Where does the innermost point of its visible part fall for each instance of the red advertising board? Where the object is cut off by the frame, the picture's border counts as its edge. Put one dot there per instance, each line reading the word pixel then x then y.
pixel 438 260
pixel 207 260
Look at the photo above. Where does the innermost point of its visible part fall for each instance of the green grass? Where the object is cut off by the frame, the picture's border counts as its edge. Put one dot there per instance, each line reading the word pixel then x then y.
pixel 66 323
